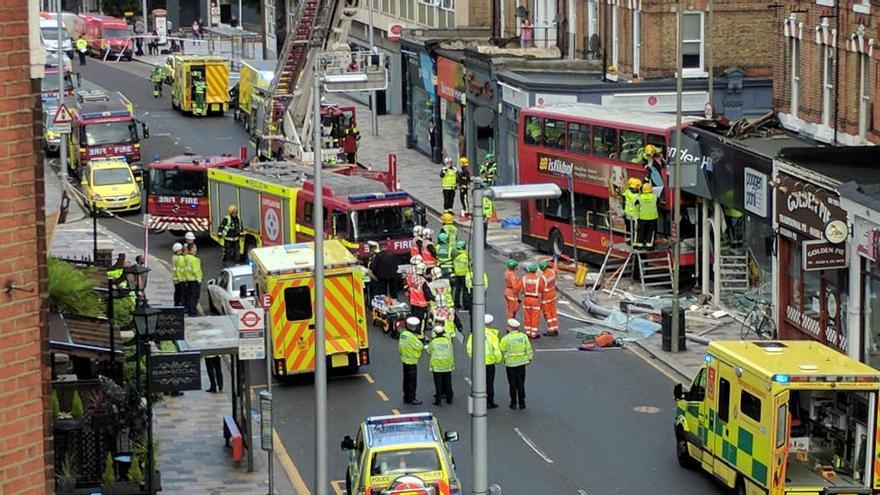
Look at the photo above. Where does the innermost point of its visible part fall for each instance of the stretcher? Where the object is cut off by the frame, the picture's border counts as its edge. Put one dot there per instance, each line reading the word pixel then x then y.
pixel 388 314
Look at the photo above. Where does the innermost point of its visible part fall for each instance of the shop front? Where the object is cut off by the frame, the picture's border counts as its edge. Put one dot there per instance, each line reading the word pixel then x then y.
pixel 481 119
pixel 451 92
pixel 420 101
pixel 813 258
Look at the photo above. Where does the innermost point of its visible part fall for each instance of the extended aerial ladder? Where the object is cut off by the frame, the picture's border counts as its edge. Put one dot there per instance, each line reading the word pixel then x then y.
pixel 317 35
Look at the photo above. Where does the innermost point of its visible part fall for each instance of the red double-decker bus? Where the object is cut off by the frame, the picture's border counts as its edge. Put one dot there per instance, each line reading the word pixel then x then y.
pixel 601 147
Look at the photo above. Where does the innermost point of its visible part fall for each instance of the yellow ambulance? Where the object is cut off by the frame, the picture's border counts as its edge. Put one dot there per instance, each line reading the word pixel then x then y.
pixel 189 72
pixel 285 281
pixel 781 417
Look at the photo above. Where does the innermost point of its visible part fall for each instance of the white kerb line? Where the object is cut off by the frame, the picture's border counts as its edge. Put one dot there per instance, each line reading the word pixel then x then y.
pixel 532 445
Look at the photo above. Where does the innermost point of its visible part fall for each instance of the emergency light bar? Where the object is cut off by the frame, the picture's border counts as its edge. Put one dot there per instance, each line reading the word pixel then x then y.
pixel 112 113
pixel 362 198
pixel 403 418
pixel 92 95
pixel 779 378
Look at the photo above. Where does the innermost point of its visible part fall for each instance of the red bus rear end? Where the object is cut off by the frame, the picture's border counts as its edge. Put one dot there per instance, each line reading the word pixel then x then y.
pixel 597 148
pixel 177 192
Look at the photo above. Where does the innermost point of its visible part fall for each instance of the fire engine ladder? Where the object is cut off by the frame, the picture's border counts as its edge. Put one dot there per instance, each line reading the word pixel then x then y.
pixel 734 271
pixel 615 265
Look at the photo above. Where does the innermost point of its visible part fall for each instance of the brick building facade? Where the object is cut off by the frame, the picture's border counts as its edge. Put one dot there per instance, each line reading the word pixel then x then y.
pixel 25 426
pixel 826 69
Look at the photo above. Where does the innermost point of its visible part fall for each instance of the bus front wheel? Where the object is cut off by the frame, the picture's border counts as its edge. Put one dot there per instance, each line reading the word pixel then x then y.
pixel 557 244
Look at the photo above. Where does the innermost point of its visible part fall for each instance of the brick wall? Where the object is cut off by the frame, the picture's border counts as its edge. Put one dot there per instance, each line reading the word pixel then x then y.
pixel 845 68
pixel 25 445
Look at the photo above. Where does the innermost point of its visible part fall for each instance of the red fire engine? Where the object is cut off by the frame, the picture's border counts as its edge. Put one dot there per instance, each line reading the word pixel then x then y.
pixel 177 192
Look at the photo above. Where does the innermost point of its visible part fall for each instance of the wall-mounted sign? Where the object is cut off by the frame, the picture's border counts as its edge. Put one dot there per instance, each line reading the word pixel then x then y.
pixel 804 209
pixel 755 192
pixel 551 99
pixel 450 80
pixel 394 32
pixel 692 101
pixel 251 334
pixel 822 255
pixel 176 372
pixel 836 231
pixel 170 325
pixel 514 97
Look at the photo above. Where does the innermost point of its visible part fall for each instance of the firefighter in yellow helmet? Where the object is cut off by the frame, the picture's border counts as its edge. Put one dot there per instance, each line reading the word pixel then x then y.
pixel 449 227
pixel 230 230
pixel 646 203
pixel 630 207
pixel 464 185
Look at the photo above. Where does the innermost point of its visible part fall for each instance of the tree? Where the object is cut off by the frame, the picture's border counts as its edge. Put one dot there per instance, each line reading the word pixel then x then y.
pixel 72 291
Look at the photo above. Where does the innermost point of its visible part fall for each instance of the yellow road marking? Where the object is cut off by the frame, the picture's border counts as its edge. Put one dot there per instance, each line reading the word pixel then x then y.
pixel 382 395
pixel 649 360
pixel 296 479
pixel 367 377
pixel 338 486
pixel 396 412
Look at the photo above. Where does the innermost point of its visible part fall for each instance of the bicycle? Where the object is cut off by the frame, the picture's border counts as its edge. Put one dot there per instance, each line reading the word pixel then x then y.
pixel 758 320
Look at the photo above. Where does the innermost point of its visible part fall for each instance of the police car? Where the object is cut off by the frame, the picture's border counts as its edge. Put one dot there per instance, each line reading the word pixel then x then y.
pixel 403 454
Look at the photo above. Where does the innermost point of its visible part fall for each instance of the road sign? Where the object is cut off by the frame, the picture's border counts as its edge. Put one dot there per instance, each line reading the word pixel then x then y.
pixel 62 115
pixel 249 320
pixel 266 301
pixel 251 334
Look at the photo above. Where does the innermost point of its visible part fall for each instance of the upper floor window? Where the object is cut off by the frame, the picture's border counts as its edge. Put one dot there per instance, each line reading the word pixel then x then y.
pixel 692 44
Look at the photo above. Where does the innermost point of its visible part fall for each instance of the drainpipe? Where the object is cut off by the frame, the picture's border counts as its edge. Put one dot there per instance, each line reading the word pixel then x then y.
pixel 836 68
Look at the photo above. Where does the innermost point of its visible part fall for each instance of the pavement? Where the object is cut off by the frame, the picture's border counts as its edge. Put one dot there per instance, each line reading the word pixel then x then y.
pixel 195 463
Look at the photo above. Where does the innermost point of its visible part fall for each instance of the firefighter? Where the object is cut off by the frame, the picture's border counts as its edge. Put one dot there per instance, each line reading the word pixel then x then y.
pixel 420 294
pixel 178 269
pixel 512 288
pixel 463 180
pixel 82 48
pixel 428 251
pixel 488 213
pixel 157 75
pixel 461 265
pixel 189 239
pixel 648 214
pixel 351 136
pixel 230 230
pixel 493 356
pixel 449 227
pixel 631 209
pixel 533 288
pixel 416 246
pixel 489 170
pixel 442 364
pixel 448 181
pixel 193 280
pixel 199 89
pixel 410 348
pixel 446 254
pixel 549 297
pixel 517 353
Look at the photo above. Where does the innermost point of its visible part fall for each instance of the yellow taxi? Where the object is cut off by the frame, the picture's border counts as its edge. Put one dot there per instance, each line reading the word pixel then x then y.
pixel 403 454
pixel 109 185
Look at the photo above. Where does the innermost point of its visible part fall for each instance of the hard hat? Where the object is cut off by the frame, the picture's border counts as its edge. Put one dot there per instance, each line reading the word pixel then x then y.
pixel 420 268
pixel 373 245
pixel 650 150
pixel 460 244
pixel 634 183
pixel 177 247
pixel 436 272
pixel 533 267
pixel 490 156
pixel 446 218
pixel 542 265
pixel 443 237
pixel 512 263
pixel 447 161
pixel 232 209
pixel 464 161
pixel 488 319
pixel 413 323
pixel 427 233
pixel 513 324
pixel 190 237
pixel 415 260
pixel 417 230
pixel 439 330
pixel 647 187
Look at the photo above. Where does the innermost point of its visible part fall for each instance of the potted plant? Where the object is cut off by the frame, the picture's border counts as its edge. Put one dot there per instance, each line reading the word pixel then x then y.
pixel 66 475
pixel 68 421
pixel 140 453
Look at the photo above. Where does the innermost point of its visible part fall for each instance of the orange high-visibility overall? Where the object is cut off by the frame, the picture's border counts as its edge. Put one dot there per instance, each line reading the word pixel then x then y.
pixel 548 300
pixel 512 288
pixel 533 287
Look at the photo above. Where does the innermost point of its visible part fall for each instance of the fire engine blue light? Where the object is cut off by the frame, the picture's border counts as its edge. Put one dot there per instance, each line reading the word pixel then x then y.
pixel 708 358
pixel 780 378
pixel 360 198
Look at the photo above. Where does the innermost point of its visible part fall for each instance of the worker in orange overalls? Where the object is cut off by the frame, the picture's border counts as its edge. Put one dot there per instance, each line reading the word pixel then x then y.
pixel 549 297
pixel 512 288
pixel 533 289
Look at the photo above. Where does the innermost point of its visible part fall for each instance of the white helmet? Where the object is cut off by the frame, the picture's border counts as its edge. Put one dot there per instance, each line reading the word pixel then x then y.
pixel 439 330
pixel 420 268
pixel 413 323
pixel 427 233
pixel 436 273
pixel 189 237
pixel 488 319
pixel 417 231
pixel 513 324
pixel 177 247
pixel 447 161
pixel 415 260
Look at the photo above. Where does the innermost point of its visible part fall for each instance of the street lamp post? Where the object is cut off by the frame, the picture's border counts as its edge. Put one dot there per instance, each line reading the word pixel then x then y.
pixel 320 336
pixel 676 198
pixel 145 320
pixel 479 419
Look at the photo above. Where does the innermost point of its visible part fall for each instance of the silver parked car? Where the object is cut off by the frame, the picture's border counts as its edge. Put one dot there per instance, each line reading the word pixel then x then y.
pixel 225 291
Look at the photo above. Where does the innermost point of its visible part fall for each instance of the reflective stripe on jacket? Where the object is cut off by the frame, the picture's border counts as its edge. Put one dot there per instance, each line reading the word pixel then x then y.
pixel 549 293
pixel 410 347
pixel 648 206
pixel 416 294
pixel 532 286
pixel 442 356
pixel 630 209
pixel 461 265
pixel 449 178
pixel 512 285
pixel 516 349
pixel 493 351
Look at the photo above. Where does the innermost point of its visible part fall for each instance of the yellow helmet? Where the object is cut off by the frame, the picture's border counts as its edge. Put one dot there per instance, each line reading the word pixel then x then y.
pixel 650 150
pixel 464 161
pixel 647 187
pixel 446 218
pixel 634 183
pixel 232 209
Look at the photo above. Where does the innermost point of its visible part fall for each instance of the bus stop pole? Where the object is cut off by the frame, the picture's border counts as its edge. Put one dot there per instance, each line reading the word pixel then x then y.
pixel 320 337
pixel 676 198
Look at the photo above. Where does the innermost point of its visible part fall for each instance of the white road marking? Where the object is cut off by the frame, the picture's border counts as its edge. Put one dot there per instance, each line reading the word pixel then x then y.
pixel 532 445
pixel 566 349
pixel 468 380
pixel 646 409
pixel 582 492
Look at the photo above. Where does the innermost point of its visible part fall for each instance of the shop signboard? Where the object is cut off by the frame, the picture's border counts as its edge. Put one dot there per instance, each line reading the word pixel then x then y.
pixel 590 173
pixel 175 372
pixel 426 73
pixel 822 255
pixel 450 80
pixel 514 97
pixel 867 238
pixel 803 209
pixel 755 193
pixel 692 101
pixel 170 325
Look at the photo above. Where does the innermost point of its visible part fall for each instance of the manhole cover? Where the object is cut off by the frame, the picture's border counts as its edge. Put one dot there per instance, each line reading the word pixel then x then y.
pixel 646 409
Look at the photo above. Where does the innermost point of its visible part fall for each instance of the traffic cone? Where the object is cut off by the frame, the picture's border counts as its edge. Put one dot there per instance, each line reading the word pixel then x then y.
pixel 494 216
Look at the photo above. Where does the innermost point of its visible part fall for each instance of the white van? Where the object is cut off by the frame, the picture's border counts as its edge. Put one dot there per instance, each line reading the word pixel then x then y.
pixel 49 36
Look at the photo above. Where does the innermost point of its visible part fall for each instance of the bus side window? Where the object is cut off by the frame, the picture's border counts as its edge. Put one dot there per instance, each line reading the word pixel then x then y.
pixel 578 138
pixel 605 142
pixel 533 131
pixel 554 134
pixel 630 144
